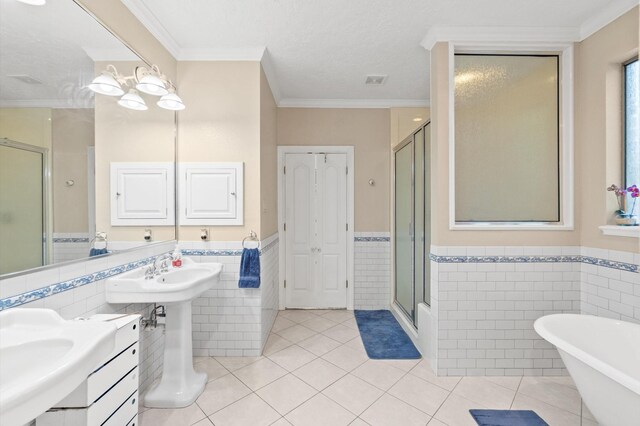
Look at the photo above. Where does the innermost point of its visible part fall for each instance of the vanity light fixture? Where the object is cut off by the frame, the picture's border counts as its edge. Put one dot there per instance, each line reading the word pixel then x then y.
pixel 417 119
pixel 146 80
pixel 133 101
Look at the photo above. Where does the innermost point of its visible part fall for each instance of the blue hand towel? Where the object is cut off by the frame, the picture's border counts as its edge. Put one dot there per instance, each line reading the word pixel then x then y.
pixel 250 268
pixel 97 252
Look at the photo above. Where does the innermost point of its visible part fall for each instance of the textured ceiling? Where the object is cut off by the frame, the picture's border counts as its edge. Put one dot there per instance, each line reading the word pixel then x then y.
pixel 323 49
pixel 52 44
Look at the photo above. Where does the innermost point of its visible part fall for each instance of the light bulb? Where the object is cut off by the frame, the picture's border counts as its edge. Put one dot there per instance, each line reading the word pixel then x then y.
pixel 133 101
pixel 106 84
pixel 152 85
pixel 171 101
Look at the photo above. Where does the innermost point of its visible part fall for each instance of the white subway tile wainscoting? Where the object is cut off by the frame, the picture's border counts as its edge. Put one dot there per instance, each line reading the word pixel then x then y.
pixel 372 259
pixel 486 299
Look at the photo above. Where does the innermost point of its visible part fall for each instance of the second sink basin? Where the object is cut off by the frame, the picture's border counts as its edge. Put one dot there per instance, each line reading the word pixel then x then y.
pixel 178 285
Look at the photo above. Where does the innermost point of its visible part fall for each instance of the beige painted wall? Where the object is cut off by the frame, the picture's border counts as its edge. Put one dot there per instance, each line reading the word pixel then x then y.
pixel 27 125
pixel 401 122
pixel 222 123
pixel 72 133
pixel 268 160
pixel 124 135
pixel 365 129
pixel 441 234
pixel 598 126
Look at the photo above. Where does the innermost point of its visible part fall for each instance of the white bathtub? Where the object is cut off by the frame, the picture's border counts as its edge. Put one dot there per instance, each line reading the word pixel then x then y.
pixel 603 358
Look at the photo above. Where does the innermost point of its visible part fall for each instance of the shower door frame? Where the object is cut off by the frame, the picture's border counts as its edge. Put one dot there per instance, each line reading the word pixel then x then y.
pixel 46 213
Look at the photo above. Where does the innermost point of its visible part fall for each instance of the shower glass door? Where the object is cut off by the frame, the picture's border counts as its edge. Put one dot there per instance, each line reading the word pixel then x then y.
pixel 22 221
pixel 412 237
pixel 404 228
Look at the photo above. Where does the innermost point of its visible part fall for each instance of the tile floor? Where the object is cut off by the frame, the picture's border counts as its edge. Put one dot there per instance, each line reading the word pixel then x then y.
pixel 315 371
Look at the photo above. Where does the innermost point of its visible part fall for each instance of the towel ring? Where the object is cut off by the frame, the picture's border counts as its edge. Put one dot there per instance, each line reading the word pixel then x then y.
pixel 101 237
pixel 252 237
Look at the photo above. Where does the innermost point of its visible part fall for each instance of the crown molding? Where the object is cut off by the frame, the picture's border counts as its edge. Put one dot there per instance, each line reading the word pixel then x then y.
pixel 607 15
pixel 267 67
pixel 45 103
pixel 152 23
pixel 506 35
pixel 352 103
pixel 214 54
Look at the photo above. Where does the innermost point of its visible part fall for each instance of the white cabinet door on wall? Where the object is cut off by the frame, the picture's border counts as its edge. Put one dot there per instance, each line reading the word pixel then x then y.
pixel 142 194
pixel 211 194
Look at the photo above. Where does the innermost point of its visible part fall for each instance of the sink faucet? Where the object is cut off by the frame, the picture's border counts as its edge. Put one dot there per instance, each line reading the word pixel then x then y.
pixel 164 266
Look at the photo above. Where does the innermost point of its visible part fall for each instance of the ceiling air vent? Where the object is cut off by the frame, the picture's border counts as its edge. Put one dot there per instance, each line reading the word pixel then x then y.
pixel 375 80
pixel 25 78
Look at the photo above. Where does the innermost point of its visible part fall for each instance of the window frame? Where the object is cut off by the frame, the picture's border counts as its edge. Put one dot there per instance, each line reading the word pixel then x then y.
pixel 564 51
pixel 624 176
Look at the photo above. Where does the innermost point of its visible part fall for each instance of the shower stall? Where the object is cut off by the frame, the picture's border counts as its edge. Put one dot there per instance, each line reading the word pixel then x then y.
pixel 412 222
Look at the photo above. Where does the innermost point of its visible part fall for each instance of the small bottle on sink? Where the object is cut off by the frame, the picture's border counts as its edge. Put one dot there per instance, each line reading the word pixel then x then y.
pixel 176 258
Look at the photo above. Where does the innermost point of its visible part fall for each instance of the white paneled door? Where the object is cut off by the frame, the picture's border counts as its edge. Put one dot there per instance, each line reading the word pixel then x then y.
pixel 316 230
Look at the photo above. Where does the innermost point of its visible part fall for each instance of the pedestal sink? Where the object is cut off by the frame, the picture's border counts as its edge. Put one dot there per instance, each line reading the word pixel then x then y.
pixel 180 385
pixel 43 358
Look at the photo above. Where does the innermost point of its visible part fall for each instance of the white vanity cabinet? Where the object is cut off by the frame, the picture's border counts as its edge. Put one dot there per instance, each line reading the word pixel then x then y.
pixel 109 396
pixel 211 193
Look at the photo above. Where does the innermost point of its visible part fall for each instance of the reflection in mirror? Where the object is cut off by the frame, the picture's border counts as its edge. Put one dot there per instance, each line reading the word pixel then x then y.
pixel 74 164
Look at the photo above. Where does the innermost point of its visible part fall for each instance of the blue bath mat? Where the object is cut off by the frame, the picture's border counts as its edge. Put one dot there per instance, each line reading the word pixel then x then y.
pixel 507 418
pixel 383 337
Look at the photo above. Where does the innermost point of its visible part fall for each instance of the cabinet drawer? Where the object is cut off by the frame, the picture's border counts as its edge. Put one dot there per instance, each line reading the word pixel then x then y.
pixel 102 379
pixel 127 411
pixel 98 413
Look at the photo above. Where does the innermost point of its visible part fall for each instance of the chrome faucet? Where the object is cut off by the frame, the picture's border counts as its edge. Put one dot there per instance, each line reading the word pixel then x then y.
pixel 164 265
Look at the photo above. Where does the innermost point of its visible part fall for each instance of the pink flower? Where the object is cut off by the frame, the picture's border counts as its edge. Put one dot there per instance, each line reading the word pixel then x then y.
pixel 634 191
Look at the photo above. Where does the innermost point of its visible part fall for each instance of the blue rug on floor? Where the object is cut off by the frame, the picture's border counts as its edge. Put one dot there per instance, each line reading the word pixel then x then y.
pixel 507 418
pixel 383 337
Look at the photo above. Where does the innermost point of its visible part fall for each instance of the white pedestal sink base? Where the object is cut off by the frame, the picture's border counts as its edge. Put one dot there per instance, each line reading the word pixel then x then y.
pixel 180 385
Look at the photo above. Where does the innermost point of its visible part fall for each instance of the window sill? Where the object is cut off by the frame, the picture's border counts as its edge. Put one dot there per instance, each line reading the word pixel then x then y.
pixel 621 231
pixel 517 226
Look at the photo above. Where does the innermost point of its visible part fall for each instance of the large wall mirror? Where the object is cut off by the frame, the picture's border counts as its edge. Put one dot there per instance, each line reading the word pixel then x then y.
pixel 79 173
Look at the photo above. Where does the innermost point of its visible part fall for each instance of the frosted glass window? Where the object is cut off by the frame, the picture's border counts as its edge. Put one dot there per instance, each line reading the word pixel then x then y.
pixel 507 138
pixel 632 123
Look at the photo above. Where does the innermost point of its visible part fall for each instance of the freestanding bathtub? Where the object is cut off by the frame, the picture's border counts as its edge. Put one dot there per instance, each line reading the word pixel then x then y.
pixel 603 358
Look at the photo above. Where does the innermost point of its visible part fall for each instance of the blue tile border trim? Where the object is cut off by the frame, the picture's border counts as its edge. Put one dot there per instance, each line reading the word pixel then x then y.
pixel 371 239
pixel 50 290
pixel 224 252
pixel 70 240
pixel 629 267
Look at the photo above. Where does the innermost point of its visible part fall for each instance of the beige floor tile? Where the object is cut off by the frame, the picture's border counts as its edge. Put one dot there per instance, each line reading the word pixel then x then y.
pixel 356 343
pixel 379 374
pixel 435 422
pixel 505 381
pixel 341 333
pixel 204 422
pixel 172 417
pixel 550 414
pixel 351 323
pixel 455 411
pixel 260 373
pixel 359 422
pixel 281 422
pixel 549 391
pixel 250 410
pixel 390 411
pixel 233 363
pixel 338 315
pixel 482 391
pixel 298 315
pixel 423 370
pixel 320 411
pixel 561 380
pixel 419 393
pixel 346 358
pixel 292 357
pixel 403 364
pixel 281 323
pixel 212 367
pixel 353 393
pixel 319 324
pixel 319 344
pixel 319 373
pixel 197 359
pixel 296 333
pixel 222 392
pixel 321 312
pixel 286 393
pixel 274 344
pixel 586 422
pixel 586 414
